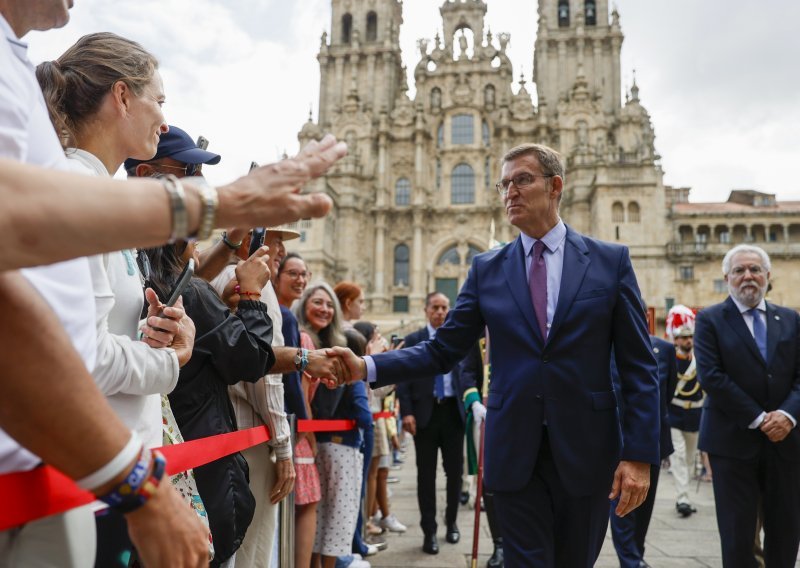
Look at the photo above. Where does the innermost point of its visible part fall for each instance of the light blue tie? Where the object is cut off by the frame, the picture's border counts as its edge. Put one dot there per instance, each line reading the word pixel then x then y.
pixel 438 386
pixel 759 332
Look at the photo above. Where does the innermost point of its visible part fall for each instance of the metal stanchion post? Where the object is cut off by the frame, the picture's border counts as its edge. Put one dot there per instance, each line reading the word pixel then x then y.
pixel 286 513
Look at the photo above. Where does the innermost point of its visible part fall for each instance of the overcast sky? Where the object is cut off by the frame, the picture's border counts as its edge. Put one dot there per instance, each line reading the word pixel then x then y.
pixel 719 77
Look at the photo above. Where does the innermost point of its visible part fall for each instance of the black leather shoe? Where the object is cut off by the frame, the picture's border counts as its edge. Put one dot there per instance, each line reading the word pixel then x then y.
pixel 684 509
pixel 496 561
pixel 453 535
pixel 463 497
pixel 430 544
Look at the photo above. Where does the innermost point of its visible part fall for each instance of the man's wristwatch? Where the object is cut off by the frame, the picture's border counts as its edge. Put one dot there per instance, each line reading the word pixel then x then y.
pixel 301 359
pixel 228 243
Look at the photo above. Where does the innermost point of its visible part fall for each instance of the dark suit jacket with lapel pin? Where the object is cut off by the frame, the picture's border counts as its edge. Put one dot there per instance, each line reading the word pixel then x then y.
pixel 739 384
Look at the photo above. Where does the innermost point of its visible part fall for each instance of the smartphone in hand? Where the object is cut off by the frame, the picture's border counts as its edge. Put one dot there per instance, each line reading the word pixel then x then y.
pixel 256 240
pixel 180 285
pixel 396 339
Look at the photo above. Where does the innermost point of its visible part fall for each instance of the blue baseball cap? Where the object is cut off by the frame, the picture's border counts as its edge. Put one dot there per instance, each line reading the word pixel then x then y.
pixel 178 145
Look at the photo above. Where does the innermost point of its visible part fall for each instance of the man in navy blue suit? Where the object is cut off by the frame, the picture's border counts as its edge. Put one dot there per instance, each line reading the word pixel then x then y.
pixel 629 532
pixel 748 362
pixel 555 303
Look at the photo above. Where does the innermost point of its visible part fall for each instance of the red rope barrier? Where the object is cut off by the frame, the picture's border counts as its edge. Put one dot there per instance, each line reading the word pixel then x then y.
pixel 44 491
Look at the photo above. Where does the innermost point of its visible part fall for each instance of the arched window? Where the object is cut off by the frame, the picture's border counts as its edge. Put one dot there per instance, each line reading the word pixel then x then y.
pixel 401 265
pixel 634 215
pixel 462 131
pixel 485 133
pixel 450 256
pixel 472 252
pixel 563 13
pixel 372 26
pixel 347 28
pixel 462 188
pixel 436 99
pixel 591 13
pixel 402 192
pixel 440 136
pixel 617 213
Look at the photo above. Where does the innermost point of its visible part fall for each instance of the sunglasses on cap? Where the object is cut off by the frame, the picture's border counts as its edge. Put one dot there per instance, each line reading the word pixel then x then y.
pixel 189 170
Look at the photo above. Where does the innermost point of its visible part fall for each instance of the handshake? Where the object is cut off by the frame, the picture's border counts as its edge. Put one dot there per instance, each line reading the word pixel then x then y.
pixel 336 366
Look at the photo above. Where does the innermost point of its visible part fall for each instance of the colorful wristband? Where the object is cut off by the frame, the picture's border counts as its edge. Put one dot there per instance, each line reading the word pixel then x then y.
pixel 139 485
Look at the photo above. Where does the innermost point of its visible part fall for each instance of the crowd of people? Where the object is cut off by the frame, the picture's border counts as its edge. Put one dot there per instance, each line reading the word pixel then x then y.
pixel 215 361
pixel 581 407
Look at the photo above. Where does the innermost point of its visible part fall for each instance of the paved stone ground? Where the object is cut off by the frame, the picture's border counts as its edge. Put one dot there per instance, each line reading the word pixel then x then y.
pixel 672 541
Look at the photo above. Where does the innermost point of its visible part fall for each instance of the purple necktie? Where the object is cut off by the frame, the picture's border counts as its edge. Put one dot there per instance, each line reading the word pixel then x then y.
pixel 537 282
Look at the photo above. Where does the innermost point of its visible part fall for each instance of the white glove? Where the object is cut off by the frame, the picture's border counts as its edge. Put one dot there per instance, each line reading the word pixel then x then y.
pixel 478 412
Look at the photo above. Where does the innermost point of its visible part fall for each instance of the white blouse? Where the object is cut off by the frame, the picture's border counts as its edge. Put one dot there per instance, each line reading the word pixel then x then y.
pixel 130 373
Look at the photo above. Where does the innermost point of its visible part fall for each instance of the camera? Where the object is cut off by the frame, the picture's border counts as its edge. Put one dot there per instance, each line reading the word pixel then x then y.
pixel 395 340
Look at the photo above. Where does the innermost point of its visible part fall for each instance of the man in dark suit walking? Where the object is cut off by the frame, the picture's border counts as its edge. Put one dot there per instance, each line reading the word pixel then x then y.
pixel 748 362
pixel 555 303
pixel 629 532
pixel 432 412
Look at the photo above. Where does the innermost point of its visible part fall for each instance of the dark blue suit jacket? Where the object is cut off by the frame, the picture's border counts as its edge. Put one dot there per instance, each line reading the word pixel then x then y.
pixel 740 384
pixel 667 368
pixel 664 352
pixel 416 396
pixel 565 380
pixel 292 386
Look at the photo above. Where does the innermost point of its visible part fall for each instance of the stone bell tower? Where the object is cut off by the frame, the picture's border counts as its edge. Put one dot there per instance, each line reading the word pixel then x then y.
pixel 361 54
pixel 575 37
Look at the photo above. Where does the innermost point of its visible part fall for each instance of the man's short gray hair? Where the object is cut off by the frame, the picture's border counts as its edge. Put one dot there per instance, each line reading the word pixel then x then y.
pixel 726 262
pixel 550 160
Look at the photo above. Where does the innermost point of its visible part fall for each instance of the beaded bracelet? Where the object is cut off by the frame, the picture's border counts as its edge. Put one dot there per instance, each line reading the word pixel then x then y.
pixel 148 487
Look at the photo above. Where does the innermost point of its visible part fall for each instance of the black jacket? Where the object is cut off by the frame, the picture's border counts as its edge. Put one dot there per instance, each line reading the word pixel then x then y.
pixel 228 348
pixel 664 352
pixel 416 396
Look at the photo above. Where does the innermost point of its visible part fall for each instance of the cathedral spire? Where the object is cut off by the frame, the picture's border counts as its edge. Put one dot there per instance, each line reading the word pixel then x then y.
pixel 634 89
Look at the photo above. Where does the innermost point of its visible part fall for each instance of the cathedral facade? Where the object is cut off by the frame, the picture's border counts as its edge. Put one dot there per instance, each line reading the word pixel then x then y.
pixel 415 199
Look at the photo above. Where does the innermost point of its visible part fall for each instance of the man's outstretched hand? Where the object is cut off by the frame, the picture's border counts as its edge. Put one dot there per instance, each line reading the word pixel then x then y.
pixel 330 370
pixel 356 367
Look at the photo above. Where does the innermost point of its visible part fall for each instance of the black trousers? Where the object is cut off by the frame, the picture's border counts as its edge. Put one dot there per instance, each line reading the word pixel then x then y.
pixel 545 527
pixel 444 432
pixel 738 484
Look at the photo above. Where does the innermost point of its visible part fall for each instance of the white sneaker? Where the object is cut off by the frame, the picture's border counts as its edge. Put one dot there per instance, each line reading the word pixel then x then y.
pixel 371 549
pixel 391 523
pixel 359 563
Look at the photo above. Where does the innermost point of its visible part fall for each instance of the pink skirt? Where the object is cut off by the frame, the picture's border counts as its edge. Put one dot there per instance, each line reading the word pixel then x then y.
pixel 306 485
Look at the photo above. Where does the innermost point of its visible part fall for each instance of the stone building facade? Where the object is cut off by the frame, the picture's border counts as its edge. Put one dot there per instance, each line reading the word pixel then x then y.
pixel 415 201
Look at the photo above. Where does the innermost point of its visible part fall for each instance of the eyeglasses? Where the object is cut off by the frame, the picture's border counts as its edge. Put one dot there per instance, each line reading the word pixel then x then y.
pixel 754 269
pixel 294 275
pixel 189 170
pixel 520 181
